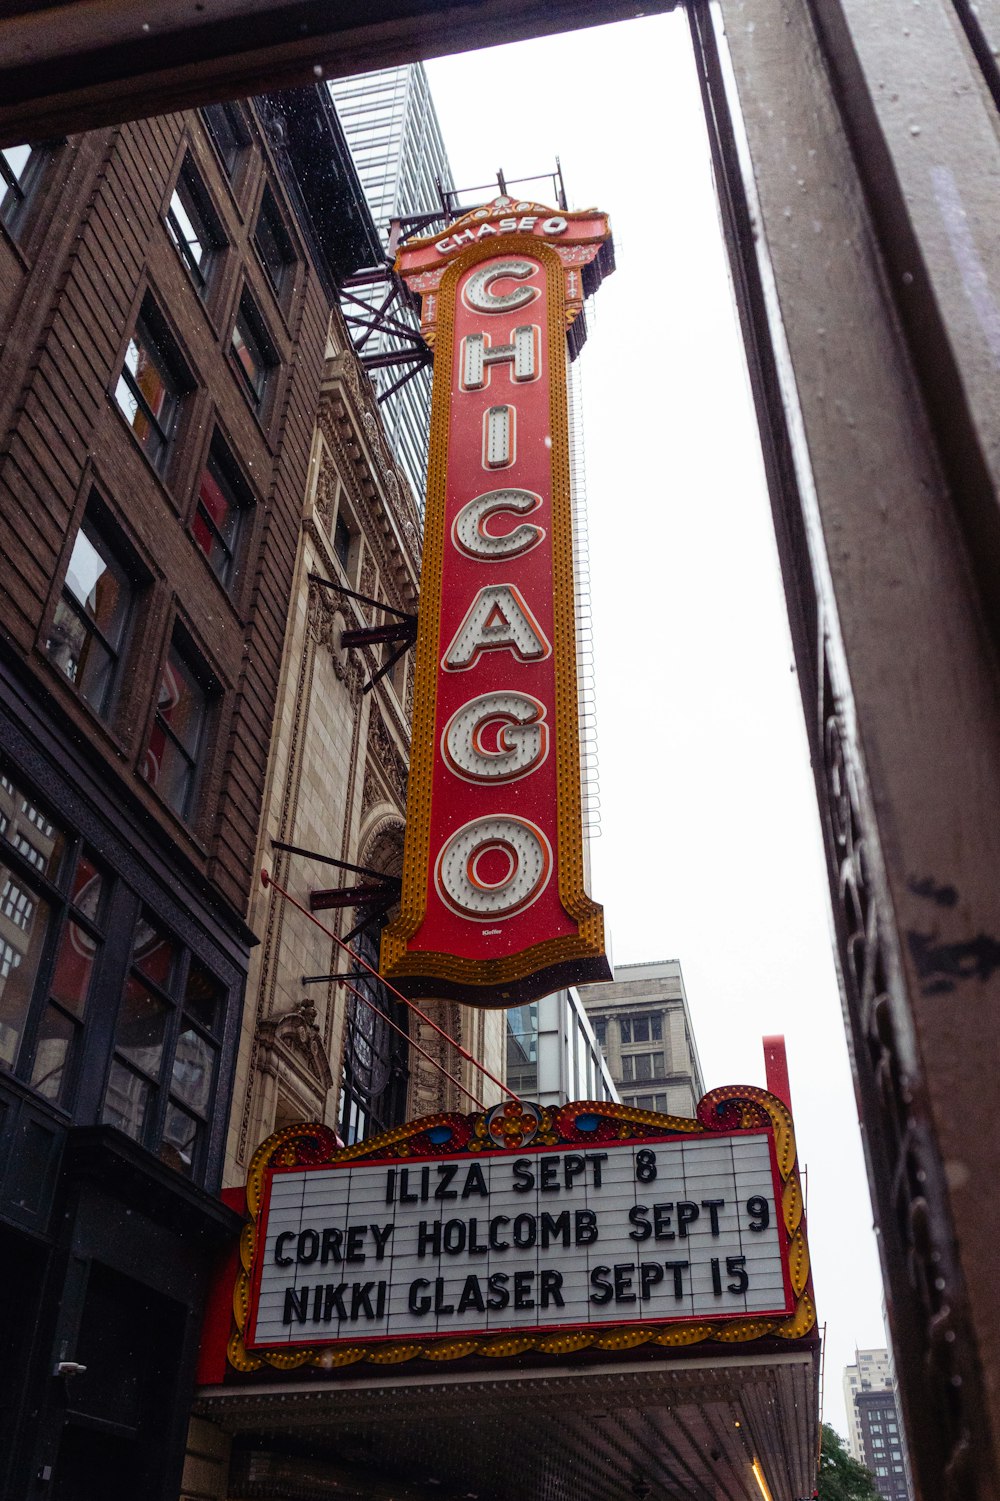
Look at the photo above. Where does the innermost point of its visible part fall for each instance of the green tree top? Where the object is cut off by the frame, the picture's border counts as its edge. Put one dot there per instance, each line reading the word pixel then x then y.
pixel 841 1478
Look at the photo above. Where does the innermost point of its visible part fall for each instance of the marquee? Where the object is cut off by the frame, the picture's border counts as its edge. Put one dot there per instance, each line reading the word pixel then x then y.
pixel 593 1225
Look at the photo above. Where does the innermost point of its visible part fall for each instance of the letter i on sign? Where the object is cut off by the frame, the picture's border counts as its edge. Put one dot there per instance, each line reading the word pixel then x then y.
pixel 495 908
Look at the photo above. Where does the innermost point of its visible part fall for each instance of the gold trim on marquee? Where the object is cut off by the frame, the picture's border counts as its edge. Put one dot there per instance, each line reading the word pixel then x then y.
pixel 730 1108
pixel 589 942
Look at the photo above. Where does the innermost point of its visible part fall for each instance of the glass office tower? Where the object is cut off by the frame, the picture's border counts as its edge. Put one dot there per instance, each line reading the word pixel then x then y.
pixel 395 139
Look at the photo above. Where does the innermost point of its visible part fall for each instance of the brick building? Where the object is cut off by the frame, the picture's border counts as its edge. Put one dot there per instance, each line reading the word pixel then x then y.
pixel 165 296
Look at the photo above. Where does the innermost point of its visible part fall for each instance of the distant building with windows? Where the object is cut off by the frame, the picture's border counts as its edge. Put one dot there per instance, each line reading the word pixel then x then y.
pixel 553 1055
pixel 395 139
pixel 875 1436
pixel 642 1022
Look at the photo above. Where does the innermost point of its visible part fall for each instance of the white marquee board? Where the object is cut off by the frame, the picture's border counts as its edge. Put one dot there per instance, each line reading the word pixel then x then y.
pixel 638 1232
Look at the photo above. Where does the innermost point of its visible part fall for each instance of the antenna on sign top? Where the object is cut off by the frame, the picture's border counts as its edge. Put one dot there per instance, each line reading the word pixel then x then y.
pixel 501 182
pixel 560 187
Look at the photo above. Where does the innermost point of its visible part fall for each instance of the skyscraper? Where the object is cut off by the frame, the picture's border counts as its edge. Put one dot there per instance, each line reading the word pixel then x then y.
pixel 875 1433
pixel 395 139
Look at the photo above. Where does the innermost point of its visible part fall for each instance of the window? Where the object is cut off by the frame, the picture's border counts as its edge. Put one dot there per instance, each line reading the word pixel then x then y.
pixel 522 1049
pixel 342 542
pixel 375 1073
pixel 642 1028
pixel 50 908
pixel 650 1102
pixel 91 621
pixel 58 1042
pixel 20 169
pixel 600 1026
pixel 26 848
pixel 274 247
pixel 166 1050
pixel 253 352
pixel 223 500
pixel 177 740
pixel 193 226
pixel 228 131
pixel 637 1066
pixel 152 383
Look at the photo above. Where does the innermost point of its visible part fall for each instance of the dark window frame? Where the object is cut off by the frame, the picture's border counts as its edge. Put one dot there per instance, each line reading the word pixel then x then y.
pixel 376 1111
pixel 205 221
pixel 172 993
pixel 191 659
pixel 55 890
pixel 231 158
pixel 260 343
pixel 151 333
pixel 281 279
pixel 20 192
pixel 97 522
pixel 244 501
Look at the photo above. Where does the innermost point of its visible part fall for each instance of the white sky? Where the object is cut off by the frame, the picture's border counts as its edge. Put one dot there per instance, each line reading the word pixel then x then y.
pixel 710 851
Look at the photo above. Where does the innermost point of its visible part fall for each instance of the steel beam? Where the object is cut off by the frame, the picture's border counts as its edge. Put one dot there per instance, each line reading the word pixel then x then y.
pixel 78 64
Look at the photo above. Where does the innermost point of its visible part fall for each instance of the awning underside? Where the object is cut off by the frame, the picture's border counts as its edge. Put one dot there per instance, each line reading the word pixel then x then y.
pixel 686 1431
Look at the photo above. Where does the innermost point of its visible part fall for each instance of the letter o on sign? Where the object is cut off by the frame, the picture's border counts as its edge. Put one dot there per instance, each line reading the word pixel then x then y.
pixel 493 867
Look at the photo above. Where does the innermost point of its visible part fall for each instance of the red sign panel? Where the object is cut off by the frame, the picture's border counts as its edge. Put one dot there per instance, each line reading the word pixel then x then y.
pixel 494 907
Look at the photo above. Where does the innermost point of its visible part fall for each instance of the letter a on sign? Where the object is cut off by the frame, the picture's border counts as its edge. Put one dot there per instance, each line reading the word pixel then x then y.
pixel 495 909
pixel 498 620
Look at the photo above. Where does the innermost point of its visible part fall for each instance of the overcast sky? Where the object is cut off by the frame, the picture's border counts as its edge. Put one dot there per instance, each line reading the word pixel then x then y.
pixel 710 849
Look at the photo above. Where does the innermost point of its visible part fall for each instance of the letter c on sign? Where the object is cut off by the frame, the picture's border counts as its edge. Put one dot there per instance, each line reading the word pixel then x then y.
pixel 493 867
pixel 469 531
pixel 479 294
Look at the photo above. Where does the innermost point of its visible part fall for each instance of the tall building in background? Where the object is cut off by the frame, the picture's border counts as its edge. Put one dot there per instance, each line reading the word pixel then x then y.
pixel 870 1372
pixel 642 1021
pixel 393 132
pixel 875 1433
pixel 553 1055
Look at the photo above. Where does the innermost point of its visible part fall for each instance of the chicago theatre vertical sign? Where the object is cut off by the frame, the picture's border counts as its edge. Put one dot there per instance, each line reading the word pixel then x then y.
pixel 495 909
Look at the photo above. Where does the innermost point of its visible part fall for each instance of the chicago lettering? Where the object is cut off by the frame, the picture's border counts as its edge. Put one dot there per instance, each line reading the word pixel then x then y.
pixel 497 865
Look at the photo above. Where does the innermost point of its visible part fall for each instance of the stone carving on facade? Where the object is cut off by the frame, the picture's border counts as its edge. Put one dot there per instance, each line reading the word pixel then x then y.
pixel 936 1325
pixel 398 493
pixel 368 575
pixel 326 494
pixel 326 624
pixel 383 751
pixel 296 1035
pixel 372 793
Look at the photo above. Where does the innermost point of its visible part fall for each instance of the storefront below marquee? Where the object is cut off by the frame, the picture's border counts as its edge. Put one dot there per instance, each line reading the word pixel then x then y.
pixel 601 1431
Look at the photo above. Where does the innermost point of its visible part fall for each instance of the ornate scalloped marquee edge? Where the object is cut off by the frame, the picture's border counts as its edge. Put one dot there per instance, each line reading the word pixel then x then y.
pixel 514 1125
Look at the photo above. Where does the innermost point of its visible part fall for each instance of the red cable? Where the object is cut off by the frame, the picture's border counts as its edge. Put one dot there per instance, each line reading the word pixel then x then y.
pixel 407 1038
pixel 268 880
